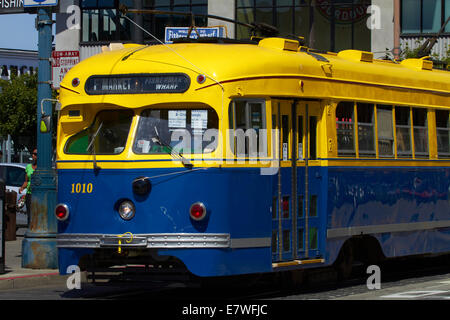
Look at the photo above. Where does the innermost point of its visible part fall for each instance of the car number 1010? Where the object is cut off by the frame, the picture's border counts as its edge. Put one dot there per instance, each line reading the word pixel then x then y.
pixel 81 187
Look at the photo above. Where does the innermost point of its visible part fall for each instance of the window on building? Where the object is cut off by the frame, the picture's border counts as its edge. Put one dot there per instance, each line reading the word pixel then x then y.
pixel 424 16
pixel 403 131
pixel 420 126
pixel 385 131
pixel 447 14
pixel 366 129
pixel 345 128
pixel 443 133
pixel 101 21
pixel 343 21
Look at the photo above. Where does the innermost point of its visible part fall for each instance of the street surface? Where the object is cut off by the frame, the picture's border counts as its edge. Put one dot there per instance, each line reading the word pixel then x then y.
pixel 430 283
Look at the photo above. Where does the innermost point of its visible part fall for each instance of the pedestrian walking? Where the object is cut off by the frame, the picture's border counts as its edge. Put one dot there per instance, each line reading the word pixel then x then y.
pixel 27 183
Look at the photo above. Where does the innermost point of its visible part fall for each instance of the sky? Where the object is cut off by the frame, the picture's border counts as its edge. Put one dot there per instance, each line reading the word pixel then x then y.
pixel 17 31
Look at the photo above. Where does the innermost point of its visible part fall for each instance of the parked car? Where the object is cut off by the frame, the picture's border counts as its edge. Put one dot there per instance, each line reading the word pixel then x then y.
pixel 14 176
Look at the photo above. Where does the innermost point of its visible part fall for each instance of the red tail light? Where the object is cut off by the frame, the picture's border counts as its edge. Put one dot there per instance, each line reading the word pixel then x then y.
pixel 62 212
pixel 198 211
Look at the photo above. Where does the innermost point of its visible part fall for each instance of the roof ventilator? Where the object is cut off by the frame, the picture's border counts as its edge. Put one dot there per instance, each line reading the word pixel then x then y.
pixel 421 64
pixel 279 43
pixel 356 55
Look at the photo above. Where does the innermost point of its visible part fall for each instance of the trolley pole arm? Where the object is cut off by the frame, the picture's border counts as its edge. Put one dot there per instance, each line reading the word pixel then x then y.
pixel 427 46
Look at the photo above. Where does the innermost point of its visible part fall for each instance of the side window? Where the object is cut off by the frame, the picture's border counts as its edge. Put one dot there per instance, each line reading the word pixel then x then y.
pixel 345 128
pixel 403 131
pixel 248 128
pixel 420 125
pixel 106 135
pixel 366 129
pixel 385 131
pixel 443 133
pixel 15 176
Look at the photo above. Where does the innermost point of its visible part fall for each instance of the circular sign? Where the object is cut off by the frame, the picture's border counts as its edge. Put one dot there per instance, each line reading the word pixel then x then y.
pixel 344 12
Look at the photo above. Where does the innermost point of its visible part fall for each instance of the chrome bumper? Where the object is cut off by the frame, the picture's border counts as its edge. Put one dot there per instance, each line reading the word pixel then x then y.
pixel 158 241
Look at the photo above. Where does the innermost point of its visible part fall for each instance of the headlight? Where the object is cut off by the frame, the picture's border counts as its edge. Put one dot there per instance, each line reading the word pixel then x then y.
pixel 126 210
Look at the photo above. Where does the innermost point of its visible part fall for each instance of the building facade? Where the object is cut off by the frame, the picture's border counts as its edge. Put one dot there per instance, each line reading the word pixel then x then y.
pixel 421 19
pixel 380 26
pixel 326 25
pixel 13 61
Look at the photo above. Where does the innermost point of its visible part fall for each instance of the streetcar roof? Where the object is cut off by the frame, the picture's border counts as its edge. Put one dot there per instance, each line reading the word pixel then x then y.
pixel 273 57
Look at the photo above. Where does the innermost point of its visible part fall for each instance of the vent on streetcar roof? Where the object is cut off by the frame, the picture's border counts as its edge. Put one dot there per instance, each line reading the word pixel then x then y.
pixel 279 43
pixel 356 55
pixel 420 64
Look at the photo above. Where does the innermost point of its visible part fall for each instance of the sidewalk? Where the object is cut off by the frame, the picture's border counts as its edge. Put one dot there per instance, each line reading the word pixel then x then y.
pixel 16 277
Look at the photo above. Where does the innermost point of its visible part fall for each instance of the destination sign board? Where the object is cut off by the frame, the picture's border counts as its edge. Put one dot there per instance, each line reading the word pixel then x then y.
pixel 204 32
pixel 138 83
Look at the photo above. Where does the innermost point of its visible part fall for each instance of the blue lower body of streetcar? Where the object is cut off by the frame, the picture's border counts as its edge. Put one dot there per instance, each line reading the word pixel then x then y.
pixel 407 210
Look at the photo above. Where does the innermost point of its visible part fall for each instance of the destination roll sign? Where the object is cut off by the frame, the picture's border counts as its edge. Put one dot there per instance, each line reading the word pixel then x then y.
pixel 138 83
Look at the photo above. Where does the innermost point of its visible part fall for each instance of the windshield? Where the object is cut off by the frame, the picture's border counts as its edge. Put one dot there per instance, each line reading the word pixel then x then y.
pixel 107 135
pixel 185 130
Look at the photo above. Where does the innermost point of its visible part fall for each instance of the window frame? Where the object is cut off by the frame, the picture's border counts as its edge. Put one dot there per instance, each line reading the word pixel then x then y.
pixel 372 125
pixel 192 6
pixel 443 155
pixel 86 129
pixel 421 22
pixel 294 6
pixel 212 115
pixel 420 154
pixel 232 126
pixel 380 138
pixel 347 152
pixel 396 124
pixel 409 126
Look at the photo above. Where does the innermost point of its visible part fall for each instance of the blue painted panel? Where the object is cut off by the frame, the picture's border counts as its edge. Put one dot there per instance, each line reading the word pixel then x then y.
pixel 229 195
pixel 166 209
pixel 365 196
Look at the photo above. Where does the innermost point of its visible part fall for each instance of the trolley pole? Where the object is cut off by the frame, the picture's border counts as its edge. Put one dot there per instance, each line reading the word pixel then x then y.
pixel 39 243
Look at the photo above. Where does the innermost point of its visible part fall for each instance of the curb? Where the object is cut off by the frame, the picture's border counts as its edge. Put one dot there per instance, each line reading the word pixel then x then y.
pixel 28 281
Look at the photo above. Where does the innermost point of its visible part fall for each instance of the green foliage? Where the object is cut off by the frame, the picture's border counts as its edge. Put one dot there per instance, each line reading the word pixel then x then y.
pixel 18 103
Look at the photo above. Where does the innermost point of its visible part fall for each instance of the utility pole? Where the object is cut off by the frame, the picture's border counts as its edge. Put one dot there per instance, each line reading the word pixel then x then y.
pixel 39 243
pixel 312 25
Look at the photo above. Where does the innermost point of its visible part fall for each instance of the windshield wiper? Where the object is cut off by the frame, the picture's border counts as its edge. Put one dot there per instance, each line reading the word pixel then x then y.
pixel 175 154
pixel 91 143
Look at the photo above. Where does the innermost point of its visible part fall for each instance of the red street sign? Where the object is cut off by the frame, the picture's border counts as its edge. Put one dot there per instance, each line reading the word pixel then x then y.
pixel 62 61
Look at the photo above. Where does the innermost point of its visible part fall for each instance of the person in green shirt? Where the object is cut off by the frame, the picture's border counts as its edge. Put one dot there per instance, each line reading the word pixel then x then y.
pixel 27 184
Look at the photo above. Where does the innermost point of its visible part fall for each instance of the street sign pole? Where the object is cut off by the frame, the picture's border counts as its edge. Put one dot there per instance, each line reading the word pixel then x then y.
pixel 39 244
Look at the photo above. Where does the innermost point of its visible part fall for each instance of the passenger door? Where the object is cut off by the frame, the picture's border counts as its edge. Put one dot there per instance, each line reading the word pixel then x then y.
pixel 296 197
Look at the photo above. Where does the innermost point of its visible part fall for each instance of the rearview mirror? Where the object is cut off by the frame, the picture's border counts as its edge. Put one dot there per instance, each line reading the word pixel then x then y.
pixel 46 123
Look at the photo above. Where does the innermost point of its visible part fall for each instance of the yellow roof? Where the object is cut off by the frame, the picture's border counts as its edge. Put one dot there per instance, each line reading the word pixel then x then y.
pixel 273 57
